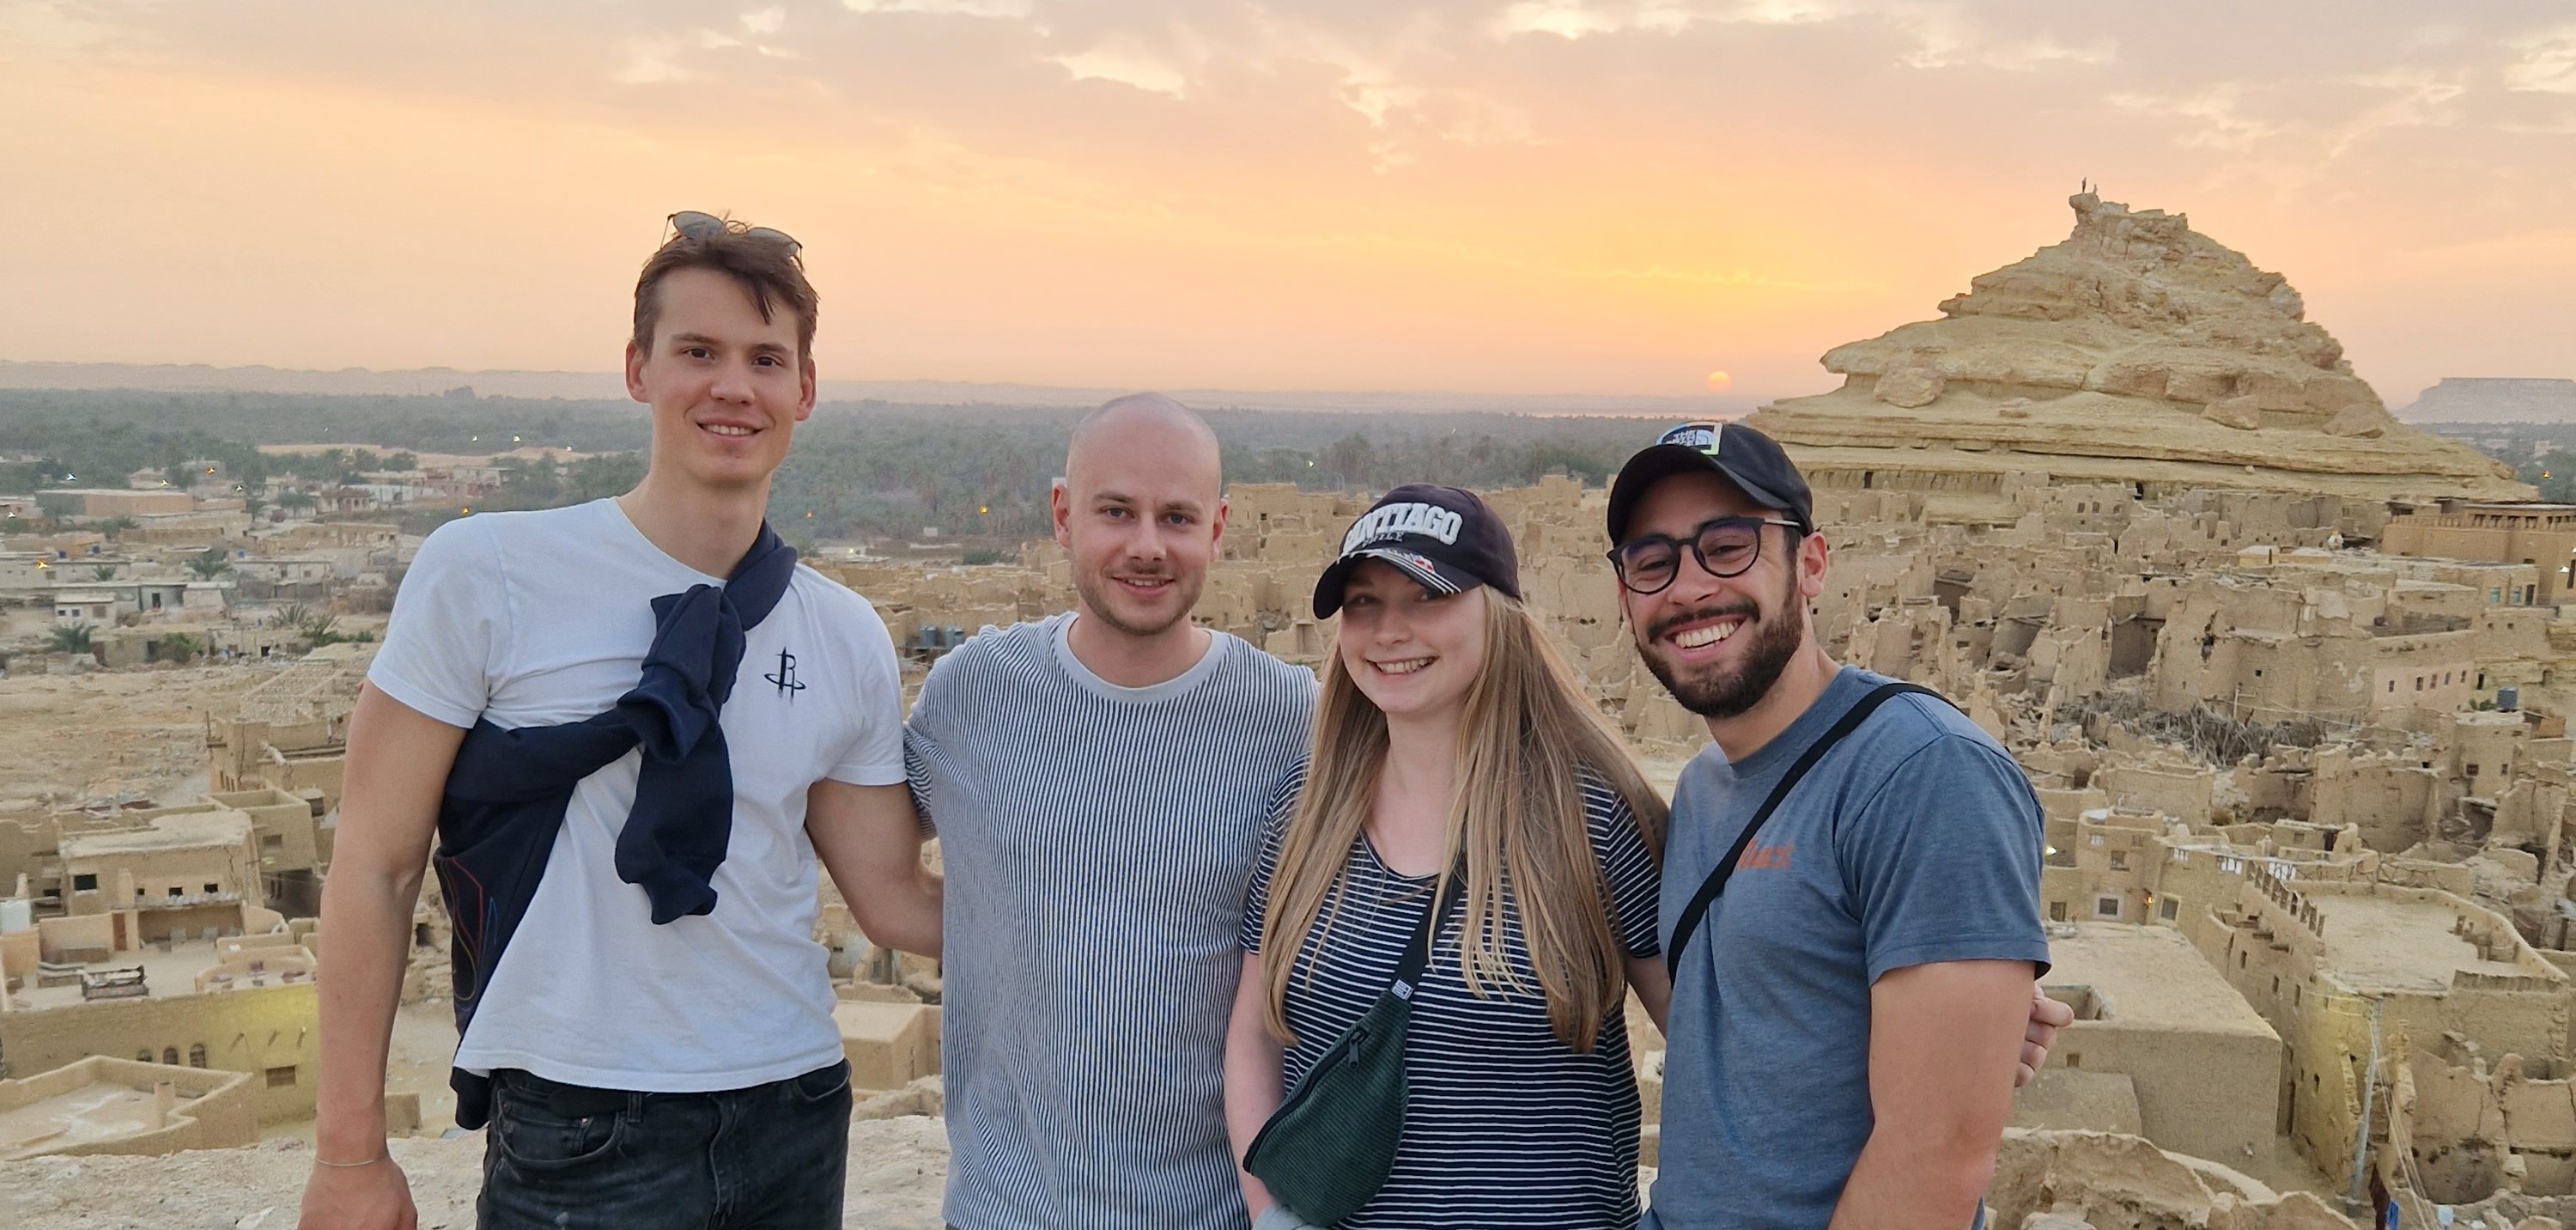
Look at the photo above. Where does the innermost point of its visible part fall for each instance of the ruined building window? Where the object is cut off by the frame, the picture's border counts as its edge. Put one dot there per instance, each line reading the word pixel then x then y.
pixel 281 1078
pixel 143 1056
pixel 2240 960
pixel 2276 984
pixel 86 882
pixel 2119 860
pixel 170 1055
pixel 197 1055
pixel 2107 907
pixel 2392 685
pixel 2057 911
pixel 2169 909
pixel 2294 995
pixel 212 889
pixel 175 891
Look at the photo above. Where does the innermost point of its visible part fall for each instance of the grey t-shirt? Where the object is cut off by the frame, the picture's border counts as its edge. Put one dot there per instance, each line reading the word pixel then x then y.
pixel 1915 840
pixel 1097 843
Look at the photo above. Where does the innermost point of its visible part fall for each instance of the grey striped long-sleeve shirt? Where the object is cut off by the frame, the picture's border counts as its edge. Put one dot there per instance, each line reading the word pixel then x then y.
pixel 1097 842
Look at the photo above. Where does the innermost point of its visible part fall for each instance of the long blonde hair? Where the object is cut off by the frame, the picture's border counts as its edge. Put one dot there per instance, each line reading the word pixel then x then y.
pixel 1516 824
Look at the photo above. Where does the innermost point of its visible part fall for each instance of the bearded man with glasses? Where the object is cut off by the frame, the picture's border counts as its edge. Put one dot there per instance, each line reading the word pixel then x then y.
pixel 1850 898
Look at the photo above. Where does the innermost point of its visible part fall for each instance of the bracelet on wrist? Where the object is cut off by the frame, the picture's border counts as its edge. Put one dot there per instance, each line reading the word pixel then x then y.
pixel 318 1161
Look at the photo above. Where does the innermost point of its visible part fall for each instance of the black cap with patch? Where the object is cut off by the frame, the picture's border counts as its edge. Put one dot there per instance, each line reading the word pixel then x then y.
pixel 1732 451
pixel 1443 537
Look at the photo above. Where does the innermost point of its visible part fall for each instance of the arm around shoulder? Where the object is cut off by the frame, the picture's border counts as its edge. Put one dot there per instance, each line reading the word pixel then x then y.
pixel 1946 877
pixel 1944 1040
pixel 870 839
pixel 861 816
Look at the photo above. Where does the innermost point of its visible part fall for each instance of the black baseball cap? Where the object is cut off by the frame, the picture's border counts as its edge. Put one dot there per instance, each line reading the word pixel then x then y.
pixel 1443 537
pixel 1732 451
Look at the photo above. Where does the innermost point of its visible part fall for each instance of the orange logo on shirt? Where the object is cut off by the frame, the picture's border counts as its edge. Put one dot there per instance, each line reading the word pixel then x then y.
pixel 1758 857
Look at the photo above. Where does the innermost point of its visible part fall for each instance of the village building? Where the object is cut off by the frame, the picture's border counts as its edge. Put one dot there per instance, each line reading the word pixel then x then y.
pixel 103 503
pixel 2162 1046
pixel 2340 969
pixel 106 1105
pixel 2540 535
pixel 181 874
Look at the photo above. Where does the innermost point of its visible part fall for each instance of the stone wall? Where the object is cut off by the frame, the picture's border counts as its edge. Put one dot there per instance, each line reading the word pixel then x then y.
pixel 2209 1095
pixel 267 1032
pixel 222 1113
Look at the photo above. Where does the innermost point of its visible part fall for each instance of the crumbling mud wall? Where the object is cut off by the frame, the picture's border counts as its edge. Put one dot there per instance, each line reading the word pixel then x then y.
pixel 2108 1182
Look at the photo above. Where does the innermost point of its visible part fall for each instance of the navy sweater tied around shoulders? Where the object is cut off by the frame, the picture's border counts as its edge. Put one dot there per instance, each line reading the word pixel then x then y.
pixel 506 796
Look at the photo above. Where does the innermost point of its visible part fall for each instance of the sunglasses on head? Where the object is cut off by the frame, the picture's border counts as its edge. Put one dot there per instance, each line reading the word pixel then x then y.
pixel 1724 547
pixel 691 224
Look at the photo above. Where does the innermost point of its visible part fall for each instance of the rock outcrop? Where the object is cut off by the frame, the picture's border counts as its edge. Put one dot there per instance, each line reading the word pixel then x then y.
pixel 2137 351
pixel 2104 1181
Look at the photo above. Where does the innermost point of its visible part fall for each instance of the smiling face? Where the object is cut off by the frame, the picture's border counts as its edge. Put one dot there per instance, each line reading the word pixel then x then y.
pixel 1139 514
pixel 727 388
pixel 1719 643
pixel 1412 652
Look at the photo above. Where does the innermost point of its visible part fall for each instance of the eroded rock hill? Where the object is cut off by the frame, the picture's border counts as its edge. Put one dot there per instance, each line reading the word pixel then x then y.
pixel 2138 350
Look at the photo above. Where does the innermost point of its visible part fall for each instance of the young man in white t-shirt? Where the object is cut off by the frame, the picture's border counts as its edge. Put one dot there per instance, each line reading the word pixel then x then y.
pixel 647 1022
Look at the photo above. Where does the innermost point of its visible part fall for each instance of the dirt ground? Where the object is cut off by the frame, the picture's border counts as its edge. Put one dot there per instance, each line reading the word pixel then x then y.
pixel 897 1168
pixel 69 737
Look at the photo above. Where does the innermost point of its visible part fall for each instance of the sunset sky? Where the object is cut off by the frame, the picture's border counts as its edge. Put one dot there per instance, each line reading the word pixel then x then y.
pixel 1526 196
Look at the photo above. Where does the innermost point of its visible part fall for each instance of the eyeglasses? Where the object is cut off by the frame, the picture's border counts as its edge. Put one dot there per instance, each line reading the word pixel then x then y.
pixel 1724 547
pixel 691 224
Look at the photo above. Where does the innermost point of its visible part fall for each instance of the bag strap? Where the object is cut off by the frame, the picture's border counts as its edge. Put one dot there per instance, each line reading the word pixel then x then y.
pixel 1417 955
pixel 1697 910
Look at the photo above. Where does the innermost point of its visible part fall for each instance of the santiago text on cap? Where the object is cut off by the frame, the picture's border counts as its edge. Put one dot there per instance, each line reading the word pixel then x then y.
pixel 1398 520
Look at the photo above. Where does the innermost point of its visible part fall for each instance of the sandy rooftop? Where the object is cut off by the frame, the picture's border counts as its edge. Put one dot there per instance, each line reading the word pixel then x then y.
pixel 2152 977
pixel 2380 943
pixel 94 1112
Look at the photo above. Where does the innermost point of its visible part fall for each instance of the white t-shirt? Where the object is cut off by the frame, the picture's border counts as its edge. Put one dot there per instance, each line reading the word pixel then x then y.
pixel 542 618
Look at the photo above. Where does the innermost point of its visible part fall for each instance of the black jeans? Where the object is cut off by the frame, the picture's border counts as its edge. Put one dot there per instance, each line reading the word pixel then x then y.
pixel 771 1156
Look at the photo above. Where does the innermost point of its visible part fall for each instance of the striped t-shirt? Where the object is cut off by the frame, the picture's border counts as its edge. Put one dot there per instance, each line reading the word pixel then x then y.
pixel 1097 842
pixel 1504 1124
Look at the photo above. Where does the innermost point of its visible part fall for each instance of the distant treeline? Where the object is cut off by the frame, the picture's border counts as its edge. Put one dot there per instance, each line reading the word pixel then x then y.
pixel 858 470
pixel 2542 454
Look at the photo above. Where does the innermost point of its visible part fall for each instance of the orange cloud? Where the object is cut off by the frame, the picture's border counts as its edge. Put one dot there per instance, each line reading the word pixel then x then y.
pixel 1533 196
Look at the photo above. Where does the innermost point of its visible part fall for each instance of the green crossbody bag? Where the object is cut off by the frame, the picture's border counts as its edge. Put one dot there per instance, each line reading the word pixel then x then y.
pixel 1330 1145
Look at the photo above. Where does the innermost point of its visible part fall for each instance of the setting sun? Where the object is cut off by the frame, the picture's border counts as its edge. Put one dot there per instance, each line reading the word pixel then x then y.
pixel 1717 381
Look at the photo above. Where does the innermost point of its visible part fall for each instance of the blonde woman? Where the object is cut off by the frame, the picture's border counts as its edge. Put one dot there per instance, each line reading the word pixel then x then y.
pixel 1456 760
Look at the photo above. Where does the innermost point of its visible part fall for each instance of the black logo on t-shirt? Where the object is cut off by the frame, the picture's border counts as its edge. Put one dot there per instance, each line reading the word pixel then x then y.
pixel 786 676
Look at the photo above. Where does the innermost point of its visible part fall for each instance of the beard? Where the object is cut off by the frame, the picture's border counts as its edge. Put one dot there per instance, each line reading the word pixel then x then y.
pixel 1719 692
pixel 1100 597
